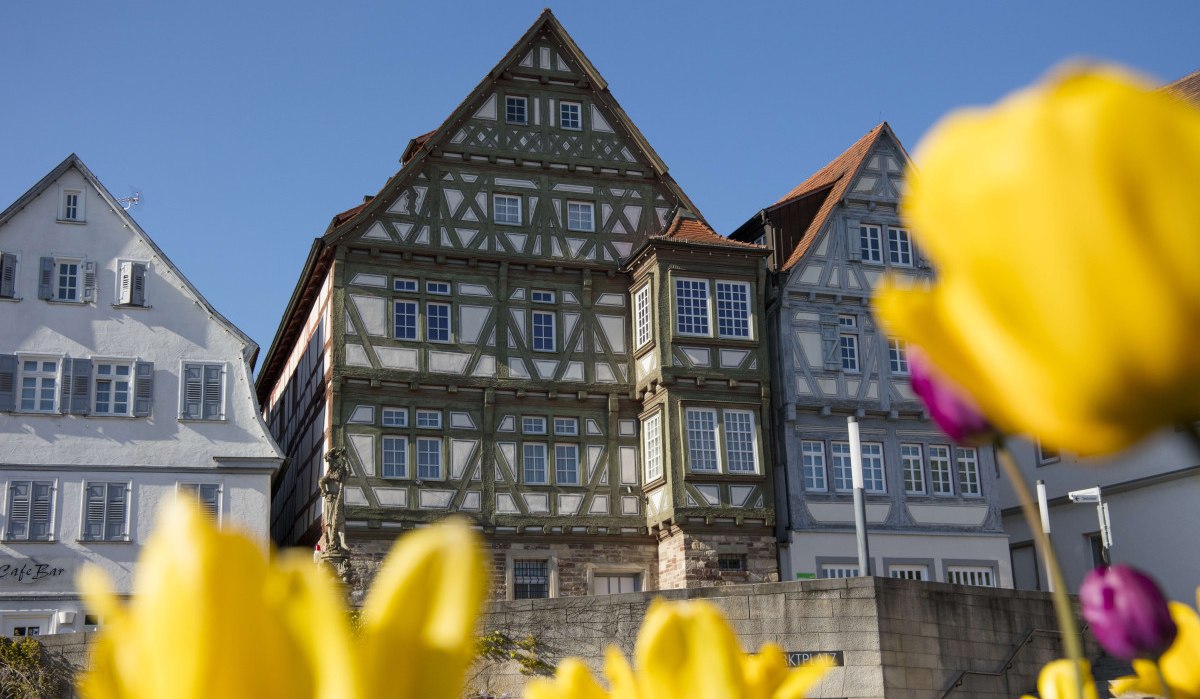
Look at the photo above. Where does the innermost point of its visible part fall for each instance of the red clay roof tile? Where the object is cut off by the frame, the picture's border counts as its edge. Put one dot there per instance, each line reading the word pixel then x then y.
pixel 693 230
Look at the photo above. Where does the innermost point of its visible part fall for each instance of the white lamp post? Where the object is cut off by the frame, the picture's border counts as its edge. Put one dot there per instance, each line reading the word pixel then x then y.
pixel 860 506
pixel 1044 509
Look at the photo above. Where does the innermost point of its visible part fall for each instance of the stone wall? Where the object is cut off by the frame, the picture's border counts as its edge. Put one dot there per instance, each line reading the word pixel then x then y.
pixel 687 559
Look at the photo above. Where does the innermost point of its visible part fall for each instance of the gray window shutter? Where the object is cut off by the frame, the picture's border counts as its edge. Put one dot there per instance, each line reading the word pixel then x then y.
pixel 8 275
pixel 853 240
pixel 143 388
pixel 93 518
pixel 77 386
pixel 193 390
pixel 89 281
pixel 18 510
pixel 42 507
pixel 115 517
pixel 212 391
pixel 137 293
pixel 8 382
pixel 829 342
pixel 46 279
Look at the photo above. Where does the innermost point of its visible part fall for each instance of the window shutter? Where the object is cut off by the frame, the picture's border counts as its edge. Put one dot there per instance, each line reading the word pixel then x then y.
pixel 18 510
pixel 138 291
pixel 829 342
pixel 46 279
pixel 209 499
pixel 8 276
pixel 143 388
pixel 89 281
pixel 193 390
pixel 93 518
pixel 77 385
pixel 126 283
pixel 853 241
pixel 212 392
pixel 115 524
pixel 8 382
pixel 39 520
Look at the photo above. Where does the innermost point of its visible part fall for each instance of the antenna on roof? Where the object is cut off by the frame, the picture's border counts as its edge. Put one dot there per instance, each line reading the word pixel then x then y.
pixel 131 201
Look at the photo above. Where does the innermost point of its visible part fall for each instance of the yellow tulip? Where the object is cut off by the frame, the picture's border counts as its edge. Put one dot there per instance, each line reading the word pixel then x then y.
pixel 1065 229
pixel 684 650
pixel 1180 664
pixel 1057 681
pixel 212 617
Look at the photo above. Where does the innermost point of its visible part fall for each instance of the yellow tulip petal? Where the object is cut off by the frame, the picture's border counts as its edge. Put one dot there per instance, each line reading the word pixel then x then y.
pixel 572 680
pixel 799 681
pixel 1181 662
pixel 687 650
pixel 1145 681
pixel 1057 681
pixel 619 675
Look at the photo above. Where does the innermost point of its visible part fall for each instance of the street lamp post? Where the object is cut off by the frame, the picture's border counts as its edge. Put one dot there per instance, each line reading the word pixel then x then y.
pixel 860 505
pixel 1044 509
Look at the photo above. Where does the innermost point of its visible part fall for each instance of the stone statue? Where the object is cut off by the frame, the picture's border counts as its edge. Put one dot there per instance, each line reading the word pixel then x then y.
pixel 333 497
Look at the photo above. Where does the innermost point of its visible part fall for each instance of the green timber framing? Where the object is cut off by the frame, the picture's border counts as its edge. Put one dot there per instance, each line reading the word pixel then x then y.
pixel 593 215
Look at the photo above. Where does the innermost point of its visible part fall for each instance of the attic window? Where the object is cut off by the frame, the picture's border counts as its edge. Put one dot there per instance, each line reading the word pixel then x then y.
pixel 569 116
pixel 72 206
pixel 516 110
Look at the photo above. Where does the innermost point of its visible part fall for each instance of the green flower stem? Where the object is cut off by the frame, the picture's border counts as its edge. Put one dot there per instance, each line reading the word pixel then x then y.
pixel 1067 624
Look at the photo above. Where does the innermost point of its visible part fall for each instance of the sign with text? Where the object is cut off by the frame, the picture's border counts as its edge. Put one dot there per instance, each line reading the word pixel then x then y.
pixel 796 658
pixel 34 572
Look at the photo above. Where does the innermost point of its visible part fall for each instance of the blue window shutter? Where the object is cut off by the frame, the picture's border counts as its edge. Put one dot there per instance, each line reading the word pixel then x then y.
pixel 93 518
pixel 143 388
pixel 79 385
pixel 853 240
pixel 193 390
pixel 46 279
pixel 829 342
pixel 8 382
pixel 212 391
pixel 137 293
pixel 8 276
pixel 18 510
pixel 42 508
pixel 115 517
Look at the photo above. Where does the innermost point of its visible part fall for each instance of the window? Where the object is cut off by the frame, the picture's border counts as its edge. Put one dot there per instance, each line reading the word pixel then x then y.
pixel 871 239
pixel 396 417
pixel 899 247
pixel 739 441
pixel 532 424
pixel 970 575
pixel 967 460
pixel 848 350
pixel 206 495
pixel 898 357
pixel 429 458
pixel 531 579
pixel 580 216
pixel 691 307
pixel 403 284
pixel 533 463
pixel 395 457
pixel 566 464
pixel 506 209
pixel 132 286
pixel 439 288
pixel 429 419
pixel 72 205
pixel 516 110
pixel 843 473
pixel 567 426
pixel 847 321
pixel 105 509
pixel 437 319
pixel 39 385
pixel 66 286
pixel 26 630
pixel 939 470
pixel 30 511
pixel 615 584
pixel 872 460
pixel 112 389
pixel 1046 455
pixel 731 562
pixel 539 296
pixel 569 116
pixel 908 572
pixel 812 456
pixel 702 439
pixel 914 470
pixel 641 316
pixel 838 570
pixel 8 275
pixel 733 309
pixel 406 320
pixel 543 331
pixel 203 392
pixel 652 447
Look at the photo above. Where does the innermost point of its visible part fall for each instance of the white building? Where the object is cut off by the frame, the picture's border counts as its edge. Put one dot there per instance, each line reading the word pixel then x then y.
pixel 121 389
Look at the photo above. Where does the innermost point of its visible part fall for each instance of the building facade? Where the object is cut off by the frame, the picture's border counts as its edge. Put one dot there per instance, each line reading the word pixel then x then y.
pixel 931 507
pixel 520 327
pixel 121 389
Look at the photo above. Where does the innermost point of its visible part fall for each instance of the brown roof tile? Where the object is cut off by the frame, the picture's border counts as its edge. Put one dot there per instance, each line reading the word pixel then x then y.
pixel 693 230
pixel 348 214
pixel 1187 87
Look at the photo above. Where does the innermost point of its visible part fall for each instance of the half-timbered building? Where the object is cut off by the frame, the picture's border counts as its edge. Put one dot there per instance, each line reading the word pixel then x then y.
pixel 530 324
pixel 931 507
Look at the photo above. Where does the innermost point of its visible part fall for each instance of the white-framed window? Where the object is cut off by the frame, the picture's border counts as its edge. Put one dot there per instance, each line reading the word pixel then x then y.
pixel 105 511
pixel 429 419
pixel 641 316
pixel 1047 454
pixel 940 477
pixel 405 319
pixel 395 457
pixel 733 309
pixel 871 240
pixel 396 417
pixel 38 379
pixel 812 457
pixel 437 321
pixel 616 583
pixel 429 458
pixel 439 288
pixel 872 460
pixel 569 115
pixel 967 460
pixel 542 331
pixel 899 247
pixel 581 216
pixel 652 447
pixel 846 320
pixel 516 110
pixel 908 571
pixel 914 469
pixel 702 439
pixel 112 382
pixel 203 394
pixel 691 307
pixel 848 351
pixel 566 464
pixel 8 275
pixel 66 280
pixel 981 576
pixel 24 628
pixel 740 454
pixel 531 578
pixel 843 472
pixel 838 570
pixel 506 209
pixel 30 511
pixel 898 357
pixel 207 497
pixel 533 424
pixel 541 296
pixel 72 205
pixel 533 463
pixel 566 426
pixel 404 284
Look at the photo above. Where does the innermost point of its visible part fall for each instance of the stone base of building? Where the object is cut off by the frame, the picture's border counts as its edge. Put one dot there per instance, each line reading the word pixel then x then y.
pixel 689 558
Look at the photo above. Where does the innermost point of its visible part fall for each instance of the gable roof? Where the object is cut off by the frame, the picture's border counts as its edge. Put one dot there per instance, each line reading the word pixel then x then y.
pixel 1187 87
pixel 686 229
pixel 250 351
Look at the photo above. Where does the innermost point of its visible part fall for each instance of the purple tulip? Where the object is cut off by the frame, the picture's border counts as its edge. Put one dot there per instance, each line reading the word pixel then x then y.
pixel 1127 612
pixel 949 406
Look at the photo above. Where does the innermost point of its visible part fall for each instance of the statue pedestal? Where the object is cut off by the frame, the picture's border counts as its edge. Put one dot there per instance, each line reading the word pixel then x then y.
pixel 338 563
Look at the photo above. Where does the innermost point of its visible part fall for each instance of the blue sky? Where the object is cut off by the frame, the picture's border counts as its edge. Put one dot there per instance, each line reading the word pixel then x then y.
pixel 247 125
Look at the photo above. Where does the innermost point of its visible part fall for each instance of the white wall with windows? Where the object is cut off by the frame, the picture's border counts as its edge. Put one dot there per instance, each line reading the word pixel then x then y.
pixel 120 389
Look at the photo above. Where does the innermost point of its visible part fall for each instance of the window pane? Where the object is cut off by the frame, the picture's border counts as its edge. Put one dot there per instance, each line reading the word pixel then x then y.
pixel 535 463
pixel 580 216
pixel 914 472
pixel 568 115
pixel 566 426
pixel 702 439
pixel 733 309
pixel 641 306
pixel 406 320
pixel 515 110
pixel 507 209
pixel 429 458
pixel 543 331
pixel 872 458
pixel 395 457
pixel 429 419
pixel 812 455
pixel 871 239
pixel 968 470
pixel 438 320
pixel 899 247
pixel 531 579
pixel 843 474
pixel 739 441
pixel 691 307
pixel 898 357
pixel 652 447
pixel 848 348
pixel 566 464
pixel 939 470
